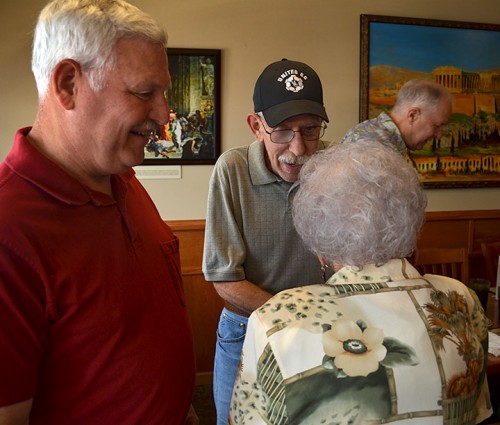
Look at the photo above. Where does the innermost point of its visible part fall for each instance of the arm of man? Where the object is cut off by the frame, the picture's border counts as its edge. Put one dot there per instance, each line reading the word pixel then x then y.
pixel 244 295
pixel 16 414
pixel 225 247
pixel 21 335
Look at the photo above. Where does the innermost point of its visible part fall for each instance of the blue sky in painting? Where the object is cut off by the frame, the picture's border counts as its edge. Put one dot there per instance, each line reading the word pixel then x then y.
pixel 423 48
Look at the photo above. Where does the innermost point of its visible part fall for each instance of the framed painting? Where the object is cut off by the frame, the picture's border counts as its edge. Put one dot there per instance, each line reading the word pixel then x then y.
pixel 192 134
pixel 462 56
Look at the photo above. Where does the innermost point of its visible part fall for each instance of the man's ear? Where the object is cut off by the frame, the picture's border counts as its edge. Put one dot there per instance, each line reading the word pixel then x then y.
pixel 255 124
pixel 413 114
pixel 64 82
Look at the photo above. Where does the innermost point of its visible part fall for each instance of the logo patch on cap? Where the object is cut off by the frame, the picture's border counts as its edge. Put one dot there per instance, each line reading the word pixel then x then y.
pixel 294 80
pixel 294 83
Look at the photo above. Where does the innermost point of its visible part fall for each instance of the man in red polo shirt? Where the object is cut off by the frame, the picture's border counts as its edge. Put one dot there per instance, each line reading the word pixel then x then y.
pixel 94 328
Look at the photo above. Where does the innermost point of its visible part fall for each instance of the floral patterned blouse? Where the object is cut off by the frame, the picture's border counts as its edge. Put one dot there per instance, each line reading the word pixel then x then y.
pixel 380 345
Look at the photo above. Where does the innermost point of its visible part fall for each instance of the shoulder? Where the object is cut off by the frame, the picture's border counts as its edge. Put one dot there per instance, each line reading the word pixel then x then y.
pixel 237 152
pixel 233 157
pixel 17 196
pixel 363 130
pixel 237 161
pixel 307 307
pixel 373 131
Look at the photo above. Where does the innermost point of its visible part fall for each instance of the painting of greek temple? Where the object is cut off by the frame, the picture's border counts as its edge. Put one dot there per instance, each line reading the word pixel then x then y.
pixel 463 57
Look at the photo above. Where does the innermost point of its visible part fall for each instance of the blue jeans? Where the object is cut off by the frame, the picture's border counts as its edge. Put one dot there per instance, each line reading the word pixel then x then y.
pixel 230 336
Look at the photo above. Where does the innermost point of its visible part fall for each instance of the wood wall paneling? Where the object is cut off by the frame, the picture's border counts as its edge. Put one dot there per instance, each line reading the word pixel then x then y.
pixel 203 303
pixel 462 229
pixel 450 229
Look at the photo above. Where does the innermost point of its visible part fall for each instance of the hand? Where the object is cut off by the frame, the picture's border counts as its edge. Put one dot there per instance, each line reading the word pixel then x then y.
pixel 192 417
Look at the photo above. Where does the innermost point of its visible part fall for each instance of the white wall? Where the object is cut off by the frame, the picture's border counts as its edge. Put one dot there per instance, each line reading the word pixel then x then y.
pixel 251 34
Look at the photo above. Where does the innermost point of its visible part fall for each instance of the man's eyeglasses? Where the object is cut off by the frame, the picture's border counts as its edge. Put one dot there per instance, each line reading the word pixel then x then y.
pixel 309 134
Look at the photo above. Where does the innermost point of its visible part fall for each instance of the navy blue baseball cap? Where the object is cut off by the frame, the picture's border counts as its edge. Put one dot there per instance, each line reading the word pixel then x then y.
pixel 286 89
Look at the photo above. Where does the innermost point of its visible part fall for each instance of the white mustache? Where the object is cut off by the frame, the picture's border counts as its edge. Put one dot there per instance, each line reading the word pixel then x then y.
pixel 149 125
pixel 292 159
pixel 145 127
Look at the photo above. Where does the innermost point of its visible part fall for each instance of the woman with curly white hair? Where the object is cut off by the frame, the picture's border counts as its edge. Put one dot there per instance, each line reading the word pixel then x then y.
pixel 377 342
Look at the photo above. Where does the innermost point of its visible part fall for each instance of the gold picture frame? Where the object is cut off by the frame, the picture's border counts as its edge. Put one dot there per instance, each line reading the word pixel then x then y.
pixel 465 58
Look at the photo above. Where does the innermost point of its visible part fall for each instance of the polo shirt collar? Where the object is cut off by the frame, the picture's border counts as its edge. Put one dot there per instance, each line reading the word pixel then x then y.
pixel 259 173
pixel 394 270
pixel 31 165
pixel 387 122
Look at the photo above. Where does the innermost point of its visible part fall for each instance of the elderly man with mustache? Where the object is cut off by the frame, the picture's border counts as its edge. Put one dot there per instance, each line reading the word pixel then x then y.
pixel 252 250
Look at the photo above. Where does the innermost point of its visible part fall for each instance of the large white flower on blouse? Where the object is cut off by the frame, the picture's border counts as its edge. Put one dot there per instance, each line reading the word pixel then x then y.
pixel 356 352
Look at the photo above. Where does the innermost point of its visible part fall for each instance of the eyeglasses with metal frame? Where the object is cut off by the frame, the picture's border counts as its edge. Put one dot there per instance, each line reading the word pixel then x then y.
pixel 285 136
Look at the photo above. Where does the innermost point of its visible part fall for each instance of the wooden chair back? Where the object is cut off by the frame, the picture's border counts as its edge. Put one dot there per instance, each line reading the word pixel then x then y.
pixel 451 262
pixel 491 251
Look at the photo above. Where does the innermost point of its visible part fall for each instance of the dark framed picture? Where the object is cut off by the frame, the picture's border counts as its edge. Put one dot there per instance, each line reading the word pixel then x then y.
pixel 192 134
pixel 462 56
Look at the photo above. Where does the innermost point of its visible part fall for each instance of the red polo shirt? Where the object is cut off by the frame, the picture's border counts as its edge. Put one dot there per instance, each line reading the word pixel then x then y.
pixel 93 324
